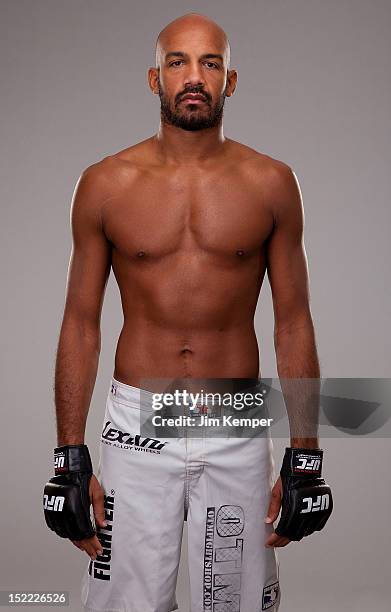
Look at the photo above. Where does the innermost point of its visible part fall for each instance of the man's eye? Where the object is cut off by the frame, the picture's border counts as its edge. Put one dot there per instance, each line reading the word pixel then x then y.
pixel 212 64
pixel 176 62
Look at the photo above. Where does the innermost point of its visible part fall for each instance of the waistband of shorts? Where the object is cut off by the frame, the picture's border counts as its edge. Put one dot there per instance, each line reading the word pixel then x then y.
pixel 133 397
pixel 142 399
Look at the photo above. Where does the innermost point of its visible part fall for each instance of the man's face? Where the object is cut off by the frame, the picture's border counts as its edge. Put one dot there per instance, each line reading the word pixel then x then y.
pixel 191 115
pixel 192 62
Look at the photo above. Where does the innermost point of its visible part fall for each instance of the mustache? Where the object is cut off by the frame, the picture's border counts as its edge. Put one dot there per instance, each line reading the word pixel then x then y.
pixel 194 91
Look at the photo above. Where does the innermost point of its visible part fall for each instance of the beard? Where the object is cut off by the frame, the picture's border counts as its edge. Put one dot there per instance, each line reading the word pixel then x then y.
pixel 191 118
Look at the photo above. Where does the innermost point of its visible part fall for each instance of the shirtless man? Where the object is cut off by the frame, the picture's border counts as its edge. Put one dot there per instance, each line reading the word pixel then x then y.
pixel 189 221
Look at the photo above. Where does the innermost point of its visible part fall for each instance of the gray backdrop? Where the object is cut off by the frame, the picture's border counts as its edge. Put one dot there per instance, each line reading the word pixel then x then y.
pixel 314 91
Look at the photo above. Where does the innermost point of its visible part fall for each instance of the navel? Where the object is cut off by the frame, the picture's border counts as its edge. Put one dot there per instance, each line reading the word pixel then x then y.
pixel 186 350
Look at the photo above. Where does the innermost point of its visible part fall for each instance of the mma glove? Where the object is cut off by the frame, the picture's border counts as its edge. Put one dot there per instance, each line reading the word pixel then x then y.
pixel 66 499
pixel 306 498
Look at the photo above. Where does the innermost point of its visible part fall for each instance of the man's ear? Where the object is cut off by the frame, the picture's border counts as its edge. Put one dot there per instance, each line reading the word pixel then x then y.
pixel 232 79
pixel 153 79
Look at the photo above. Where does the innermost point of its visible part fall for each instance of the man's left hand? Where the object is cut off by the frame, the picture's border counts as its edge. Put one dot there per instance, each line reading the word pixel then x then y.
pixel 274 510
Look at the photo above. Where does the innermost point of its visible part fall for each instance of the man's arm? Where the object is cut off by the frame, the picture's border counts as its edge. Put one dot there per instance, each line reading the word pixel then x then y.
pixel 77 364
pixel 297 359
pixel 79 342
pixel 294 336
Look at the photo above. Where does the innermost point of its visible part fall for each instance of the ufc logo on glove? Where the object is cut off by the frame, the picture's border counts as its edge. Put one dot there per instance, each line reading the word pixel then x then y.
pixel 53 503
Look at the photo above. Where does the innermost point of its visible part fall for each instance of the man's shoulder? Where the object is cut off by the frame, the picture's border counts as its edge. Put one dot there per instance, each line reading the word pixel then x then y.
pixel 115 170
pixel 120 162
pixel 259 165
pixel 272 177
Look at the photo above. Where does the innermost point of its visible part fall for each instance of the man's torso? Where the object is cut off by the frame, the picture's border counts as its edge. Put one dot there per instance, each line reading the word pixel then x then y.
pixel 188 250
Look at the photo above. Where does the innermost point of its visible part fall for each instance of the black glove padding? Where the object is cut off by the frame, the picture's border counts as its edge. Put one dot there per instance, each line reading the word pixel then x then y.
pixel 66 499
pixel 306 498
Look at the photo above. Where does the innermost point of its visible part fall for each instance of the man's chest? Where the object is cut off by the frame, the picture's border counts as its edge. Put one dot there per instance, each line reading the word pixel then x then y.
pixel 219 214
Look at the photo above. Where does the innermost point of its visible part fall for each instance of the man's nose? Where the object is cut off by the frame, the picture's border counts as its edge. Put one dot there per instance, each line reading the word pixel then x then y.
pixel 193 75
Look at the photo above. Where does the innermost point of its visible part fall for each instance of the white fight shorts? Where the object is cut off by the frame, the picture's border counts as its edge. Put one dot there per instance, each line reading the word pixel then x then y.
pixel 221 486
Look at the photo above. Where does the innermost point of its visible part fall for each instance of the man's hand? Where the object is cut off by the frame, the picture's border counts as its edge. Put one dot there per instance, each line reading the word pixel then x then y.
pixel 68 495
pixel 92 545
pixel 305 498
pixel 274 509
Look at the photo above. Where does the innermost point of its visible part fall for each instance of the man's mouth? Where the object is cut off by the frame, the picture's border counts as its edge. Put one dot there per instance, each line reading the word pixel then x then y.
pixel 193 98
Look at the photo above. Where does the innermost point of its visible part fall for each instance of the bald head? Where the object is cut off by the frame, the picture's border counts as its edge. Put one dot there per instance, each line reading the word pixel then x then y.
pixel 187 26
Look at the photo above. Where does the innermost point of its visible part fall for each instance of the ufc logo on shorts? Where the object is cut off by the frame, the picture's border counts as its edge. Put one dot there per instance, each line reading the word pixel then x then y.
pixel 308 465
pixel 59 462
pixel 54 502
pixel 321 502
pixel 270 595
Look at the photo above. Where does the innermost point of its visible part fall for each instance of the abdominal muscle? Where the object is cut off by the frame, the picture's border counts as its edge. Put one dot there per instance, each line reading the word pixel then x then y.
pixel 189 322
pixel 195 336
pixel 146 351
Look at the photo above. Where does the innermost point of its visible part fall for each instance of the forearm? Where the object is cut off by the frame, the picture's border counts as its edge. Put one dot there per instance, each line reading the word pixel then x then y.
pixel 75 374
pixel 299 373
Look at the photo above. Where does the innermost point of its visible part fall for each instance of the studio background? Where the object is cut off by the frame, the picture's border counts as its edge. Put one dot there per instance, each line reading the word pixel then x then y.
pixel 314 91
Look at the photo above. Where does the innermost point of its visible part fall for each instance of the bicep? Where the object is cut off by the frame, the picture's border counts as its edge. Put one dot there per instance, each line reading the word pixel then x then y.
pixel 286 257
pixel 90 260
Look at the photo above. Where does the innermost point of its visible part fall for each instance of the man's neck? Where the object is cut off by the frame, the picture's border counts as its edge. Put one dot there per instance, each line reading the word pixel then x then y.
pixel 178 146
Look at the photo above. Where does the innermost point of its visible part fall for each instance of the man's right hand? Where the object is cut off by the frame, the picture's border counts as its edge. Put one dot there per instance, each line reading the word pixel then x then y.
pixel 68 497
